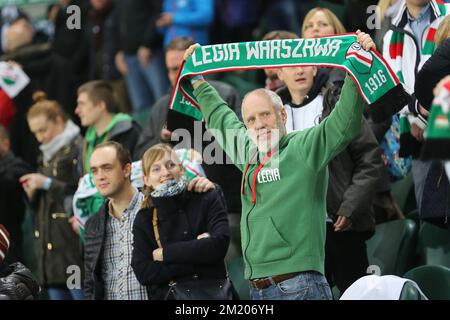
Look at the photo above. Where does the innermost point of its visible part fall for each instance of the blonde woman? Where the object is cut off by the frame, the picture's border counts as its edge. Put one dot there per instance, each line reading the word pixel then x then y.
pixel 179 236
pixel 50 191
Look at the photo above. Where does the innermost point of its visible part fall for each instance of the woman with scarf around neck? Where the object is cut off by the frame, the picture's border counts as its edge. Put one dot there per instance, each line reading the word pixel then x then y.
pixel 178 235
pixel 50 193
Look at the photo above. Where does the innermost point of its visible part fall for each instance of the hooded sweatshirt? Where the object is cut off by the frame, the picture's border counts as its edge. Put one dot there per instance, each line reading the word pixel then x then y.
pixel 120 123
pixel 282 230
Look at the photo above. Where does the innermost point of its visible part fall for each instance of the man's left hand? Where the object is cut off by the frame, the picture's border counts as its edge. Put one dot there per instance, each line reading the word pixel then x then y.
pixel 365 40
pixel 158 254
pixel 342 224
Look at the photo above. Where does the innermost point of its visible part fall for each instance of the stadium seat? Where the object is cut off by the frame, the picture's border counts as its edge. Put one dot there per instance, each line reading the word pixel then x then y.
pixel 433 245
pixel 414 215
pixel 410 292
pixel 236 273
pixel 392 247
pixel 434 281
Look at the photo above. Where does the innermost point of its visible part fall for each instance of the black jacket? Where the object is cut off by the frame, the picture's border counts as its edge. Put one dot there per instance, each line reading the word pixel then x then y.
pixel 354 173
pixel 137 24
pixel 17 283
pixel 181 219
pixel 436 68
pixel 12 196
pixel 103 47
pixel 95 231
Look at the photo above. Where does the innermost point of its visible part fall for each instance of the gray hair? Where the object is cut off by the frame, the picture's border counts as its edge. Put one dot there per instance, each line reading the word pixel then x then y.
pixel 273 97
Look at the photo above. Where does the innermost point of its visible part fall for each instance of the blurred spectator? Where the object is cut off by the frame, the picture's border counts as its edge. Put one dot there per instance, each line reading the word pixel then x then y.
pixel 47 25
pixel 12 196
pixel 97 109
pixel 9 13
pixel 356 15
pixel 272 81
pixel 140 58
pixel 186 18
pixel 436 68
pixel 7 109
pixel 236 21
pixel 280 15
pixel 435 203
pixel 16 281
pixel 50 193
pixel 103 47
pixel 407 46
pixel 223 173
pixel 72 44
pixel 388 10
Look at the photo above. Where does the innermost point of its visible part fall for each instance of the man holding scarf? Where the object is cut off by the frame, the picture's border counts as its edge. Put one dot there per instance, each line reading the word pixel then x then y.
pixel 281 262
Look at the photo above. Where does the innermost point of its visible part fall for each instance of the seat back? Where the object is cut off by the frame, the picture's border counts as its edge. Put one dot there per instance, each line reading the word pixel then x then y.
pixel 434 281
pixel 392 247
pixel 433 245
pixel 410 292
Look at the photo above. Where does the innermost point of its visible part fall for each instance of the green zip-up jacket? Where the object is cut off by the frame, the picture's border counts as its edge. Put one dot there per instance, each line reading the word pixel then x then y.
pixel 284 231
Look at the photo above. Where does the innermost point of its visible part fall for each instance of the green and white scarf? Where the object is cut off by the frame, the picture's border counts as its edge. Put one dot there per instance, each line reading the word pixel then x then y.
pixel 377 83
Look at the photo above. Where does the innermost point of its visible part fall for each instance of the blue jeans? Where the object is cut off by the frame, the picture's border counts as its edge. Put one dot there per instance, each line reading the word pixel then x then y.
pixel 65 294
pixel 146 84
pixel 308 285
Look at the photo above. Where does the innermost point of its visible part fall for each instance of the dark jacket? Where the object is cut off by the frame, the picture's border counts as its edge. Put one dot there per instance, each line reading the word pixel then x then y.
pixel 137 24
pixel 181 219
pixel 226 174
pixel 17 283
pixel 57 245
pixel 95 232
pixel 12 196
pixel 436 68
pixel 73 44
pixel 354 173
pixel 103 47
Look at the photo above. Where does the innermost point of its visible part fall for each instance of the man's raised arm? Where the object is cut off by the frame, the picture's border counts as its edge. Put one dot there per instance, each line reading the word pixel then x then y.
pixel 224 124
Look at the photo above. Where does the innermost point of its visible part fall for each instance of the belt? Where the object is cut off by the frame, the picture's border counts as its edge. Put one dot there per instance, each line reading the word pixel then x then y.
pixel 265 282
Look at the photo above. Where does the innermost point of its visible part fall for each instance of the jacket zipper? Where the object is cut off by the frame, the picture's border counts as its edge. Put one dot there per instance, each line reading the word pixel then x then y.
pixel 248 231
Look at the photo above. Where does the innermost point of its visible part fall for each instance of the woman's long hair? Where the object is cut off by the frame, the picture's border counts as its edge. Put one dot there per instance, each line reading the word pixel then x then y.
pixel 153 154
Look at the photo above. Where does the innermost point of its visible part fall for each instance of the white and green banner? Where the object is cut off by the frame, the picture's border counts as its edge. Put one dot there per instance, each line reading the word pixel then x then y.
pixel 370 71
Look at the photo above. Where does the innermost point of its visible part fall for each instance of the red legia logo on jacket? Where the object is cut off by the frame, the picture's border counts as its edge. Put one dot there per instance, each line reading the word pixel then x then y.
pixel 360 59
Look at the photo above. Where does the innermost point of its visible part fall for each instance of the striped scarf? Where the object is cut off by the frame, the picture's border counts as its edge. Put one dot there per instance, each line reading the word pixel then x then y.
pixel 437 135
pixel 397 41
pixel 377 83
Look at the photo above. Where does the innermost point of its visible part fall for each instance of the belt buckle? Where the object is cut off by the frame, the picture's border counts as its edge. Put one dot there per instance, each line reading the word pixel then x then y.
pixel 259 283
